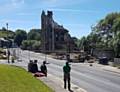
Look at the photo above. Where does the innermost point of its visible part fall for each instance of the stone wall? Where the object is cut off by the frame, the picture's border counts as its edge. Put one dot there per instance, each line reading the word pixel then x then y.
pixel 117 61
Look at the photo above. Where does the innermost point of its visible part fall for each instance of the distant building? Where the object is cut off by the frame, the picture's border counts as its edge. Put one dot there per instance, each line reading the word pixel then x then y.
pixel 54 36
pixel 6 43
pixel 3 42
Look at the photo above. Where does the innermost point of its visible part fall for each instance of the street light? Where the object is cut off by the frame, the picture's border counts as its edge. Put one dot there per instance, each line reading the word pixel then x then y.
pixel 7 26
pixel 45 51
pixel 8 52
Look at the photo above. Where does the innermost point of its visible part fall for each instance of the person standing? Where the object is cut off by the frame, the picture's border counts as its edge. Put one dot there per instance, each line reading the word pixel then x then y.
pixel 8 52
pixel 44 68
pixel 66 70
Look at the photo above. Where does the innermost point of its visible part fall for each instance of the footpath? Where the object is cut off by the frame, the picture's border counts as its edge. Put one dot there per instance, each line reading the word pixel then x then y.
pixel 104 67
pixel 53 82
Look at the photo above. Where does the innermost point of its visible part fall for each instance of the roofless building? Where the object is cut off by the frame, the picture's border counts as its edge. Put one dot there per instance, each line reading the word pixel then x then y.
pixel 54 36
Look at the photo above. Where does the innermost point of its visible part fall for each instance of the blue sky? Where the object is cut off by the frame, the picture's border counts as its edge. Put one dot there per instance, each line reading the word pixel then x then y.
pixel 75 15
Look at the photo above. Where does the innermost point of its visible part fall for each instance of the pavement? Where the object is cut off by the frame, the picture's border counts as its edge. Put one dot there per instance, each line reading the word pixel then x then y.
pixel 52 81
pixel 57 84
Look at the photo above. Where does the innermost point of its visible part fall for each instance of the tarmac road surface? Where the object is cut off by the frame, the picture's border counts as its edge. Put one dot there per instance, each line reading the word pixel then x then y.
pixel 92 79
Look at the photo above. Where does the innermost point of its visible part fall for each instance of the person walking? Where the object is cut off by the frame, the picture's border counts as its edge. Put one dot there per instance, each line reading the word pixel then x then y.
pixel 66 70
pixel 44 68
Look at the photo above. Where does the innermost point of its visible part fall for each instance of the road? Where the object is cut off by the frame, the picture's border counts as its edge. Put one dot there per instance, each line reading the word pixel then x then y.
pixel 92 79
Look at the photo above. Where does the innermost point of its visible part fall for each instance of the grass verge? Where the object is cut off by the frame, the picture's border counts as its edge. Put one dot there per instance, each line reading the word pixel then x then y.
pixel 116 65
pixel 2 54
pixel 16 79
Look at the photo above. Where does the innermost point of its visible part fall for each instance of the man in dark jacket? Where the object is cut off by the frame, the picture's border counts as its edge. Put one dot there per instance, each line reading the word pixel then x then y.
pixel 66 70
pixel 44 68
pixel 8 52
pixel 35 67
pixel 30 64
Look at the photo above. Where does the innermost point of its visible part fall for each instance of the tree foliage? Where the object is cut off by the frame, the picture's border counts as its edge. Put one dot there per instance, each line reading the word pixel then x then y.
pixel 31 45
pixel 8 34
pixel 20 35
pixel 30 41
pixel 106 33
pixel 76 41
pixel 34 34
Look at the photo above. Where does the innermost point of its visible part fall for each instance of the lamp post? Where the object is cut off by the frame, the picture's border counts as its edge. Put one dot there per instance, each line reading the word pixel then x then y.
pixel 44 41
pixel 7 25
pixel 8 52
pixel 45 51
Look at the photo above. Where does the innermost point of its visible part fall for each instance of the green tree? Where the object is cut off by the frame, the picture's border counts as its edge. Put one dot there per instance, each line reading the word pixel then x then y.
pixel 25 44
pixel 116 26
pixel 20 35
pixel 34 34
pixel 4 29
pixel 108 33
pixel 116 44
pixel 31 44
pixel 36 45
pixel 82 42
pixel 76 41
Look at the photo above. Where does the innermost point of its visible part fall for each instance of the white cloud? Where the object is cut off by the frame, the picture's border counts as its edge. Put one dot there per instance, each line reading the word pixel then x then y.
pixel 17 2
pixel 61 3
pixel 9 6
pixel 6 8
pixel 26 14
pixel 50 0
pixel 76 25
pixel 15 21
pixel 75 10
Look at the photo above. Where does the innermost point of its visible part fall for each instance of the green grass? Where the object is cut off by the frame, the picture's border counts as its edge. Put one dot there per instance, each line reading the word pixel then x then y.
pixel 15 79
pixel 116 65
pixel 1 50
pixel 6 34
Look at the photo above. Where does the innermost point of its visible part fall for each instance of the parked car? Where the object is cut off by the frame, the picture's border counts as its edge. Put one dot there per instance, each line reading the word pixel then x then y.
pixel 103 60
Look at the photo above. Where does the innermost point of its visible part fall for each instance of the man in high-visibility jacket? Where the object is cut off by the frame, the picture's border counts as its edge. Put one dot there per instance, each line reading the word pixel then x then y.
pixel 66 70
